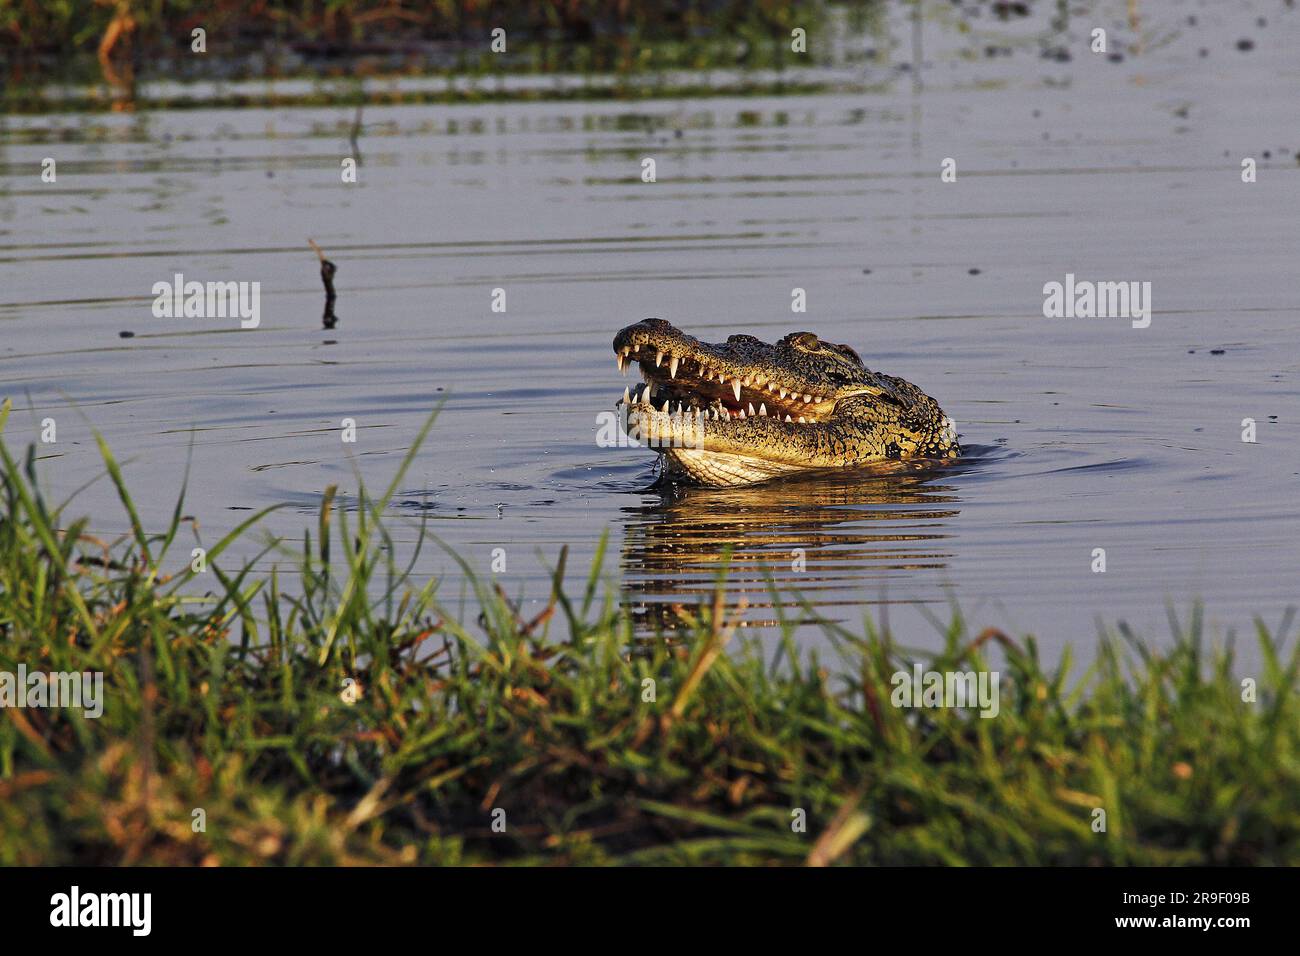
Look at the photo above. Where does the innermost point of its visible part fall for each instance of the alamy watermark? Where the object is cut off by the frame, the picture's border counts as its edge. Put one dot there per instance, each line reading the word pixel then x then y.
pixel 79 689
pixel 1098 300
pixel 211 300
pixel 946 689
pixel 75 908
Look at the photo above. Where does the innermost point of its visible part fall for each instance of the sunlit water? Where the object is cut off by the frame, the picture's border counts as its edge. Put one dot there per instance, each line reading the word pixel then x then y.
pixel 1082 433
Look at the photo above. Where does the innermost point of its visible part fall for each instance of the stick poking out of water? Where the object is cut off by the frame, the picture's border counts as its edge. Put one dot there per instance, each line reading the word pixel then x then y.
pixel 327 270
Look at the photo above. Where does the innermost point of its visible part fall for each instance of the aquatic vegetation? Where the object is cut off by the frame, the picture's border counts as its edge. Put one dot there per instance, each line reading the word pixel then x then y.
pixel 126 41
pixel 333 710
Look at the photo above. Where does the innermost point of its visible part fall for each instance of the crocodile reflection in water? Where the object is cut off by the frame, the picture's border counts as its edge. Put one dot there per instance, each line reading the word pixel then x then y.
pixel 837 543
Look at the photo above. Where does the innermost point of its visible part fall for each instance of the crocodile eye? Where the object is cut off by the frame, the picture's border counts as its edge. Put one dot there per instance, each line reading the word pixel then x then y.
pixel 803 340
pixel 847 352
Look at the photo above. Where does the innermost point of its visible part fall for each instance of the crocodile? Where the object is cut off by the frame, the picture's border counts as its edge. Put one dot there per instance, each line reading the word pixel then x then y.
pixel 746 411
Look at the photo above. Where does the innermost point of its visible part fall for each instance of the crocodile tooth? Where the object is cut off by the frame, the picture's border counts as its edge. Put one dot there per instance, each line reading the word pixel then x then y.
pixel 802 420
pixel 618 360
pixel 747 381
pixel 751 409
pixel 672 366
pixel 735 388
pixel 807 398
pixel 742 413
pixel 787 418
pixel 627 397
pixel 665 408
pixel 784 393
pixel 762 409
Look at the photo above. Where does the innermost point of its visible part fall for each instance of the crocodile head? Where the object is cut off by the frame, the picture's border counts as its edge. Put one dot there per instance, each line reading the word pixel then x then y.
pixel 745 410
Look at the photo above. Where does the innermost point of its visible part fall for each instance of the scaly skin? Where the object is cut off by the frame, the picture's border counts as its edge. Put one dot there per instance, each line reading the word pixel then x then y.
pixel 717 414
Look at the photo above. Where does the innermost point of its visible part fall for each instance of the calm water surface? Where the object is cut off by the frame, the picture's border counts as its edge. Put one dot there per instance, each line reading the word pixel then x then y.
pixel 1083 433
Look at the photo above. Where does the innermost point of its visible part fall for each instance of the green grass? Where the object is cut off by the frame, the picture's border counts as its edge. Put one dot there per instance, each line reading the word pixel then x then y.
pixel 234 705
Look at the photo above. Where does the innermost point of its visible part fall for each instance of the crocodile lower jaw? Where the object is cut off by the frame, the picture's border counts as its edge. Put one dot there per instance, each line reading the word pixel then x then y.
pixel 720 469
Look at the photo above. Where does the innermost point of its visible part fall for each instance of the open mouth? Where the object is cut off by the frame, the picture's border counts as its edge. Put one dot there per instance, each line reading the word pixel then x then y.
pixel 690 382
